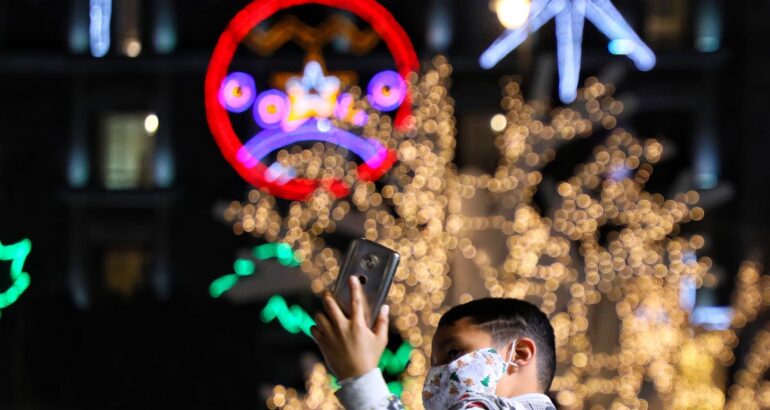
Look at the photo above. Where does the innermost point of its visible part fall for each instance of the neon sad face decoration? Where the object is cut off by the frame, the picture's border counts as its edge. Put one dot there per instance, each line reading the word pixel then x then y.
pixel 304 110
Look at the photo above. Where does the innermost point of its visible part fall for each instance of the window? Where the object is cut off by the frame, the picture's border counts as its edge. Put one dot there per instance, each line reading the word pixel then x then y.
pixel 128 150
pixel 124 270
pixel 128 33
pixel 666 20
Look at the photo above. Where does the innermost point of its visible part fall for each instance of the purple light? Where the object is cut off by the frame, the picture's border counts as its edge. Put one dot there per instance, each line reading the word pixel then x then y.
pixel 279 174
pixel 271 108
pixel 261 145
pixel 360 118
pixel 245 157
pixel 386 90
pixel 344 103
pixel 237 92
pixel 346 111
pixel 619 172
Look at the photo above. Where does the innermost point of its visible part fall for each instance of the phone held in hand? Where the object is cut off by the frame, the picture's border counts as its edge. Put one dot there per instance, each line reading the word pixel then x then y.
pixel 375 266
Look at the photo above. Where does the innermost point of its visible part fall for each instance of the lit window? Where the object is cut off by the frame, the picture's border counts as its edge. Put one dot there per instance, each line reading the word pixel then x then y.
pixel 128 150
pixel 129 33
pixel 666 21
pixel 124 270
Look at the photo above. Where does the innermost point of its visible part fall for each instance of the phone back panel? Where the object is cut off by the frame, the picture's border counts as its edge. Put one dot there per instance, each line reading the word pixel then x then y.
pixel 375 265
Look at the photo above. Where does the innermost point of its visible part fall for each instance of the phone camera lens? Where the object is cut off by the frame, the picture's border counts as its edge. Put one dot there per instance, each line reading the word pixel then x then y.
pixel 370 262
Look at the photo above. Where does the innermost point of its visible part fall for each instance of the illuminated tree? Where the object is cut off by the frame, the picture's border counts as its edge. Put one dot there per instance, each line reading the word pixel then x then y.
pixel 605 259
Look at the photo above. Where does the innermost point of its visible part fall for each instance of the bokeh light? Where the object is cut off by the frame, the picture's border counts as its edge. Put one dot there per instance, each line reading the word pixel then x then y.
pixel 609 253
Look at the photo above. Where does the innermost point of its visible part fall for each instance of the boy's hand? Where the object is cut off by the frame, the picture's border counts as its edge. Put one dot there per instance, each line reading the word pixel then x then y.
pixel 350 348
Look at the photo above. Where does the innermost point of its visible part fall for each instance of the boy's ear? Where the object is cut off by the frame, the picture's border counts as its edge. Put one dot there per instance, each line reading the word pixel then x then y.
pixel 525 351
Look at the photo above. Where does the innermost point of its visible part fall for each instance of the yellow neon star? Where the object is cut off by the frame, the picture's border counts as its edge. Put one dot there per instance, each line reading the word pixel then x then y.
pixel 311 96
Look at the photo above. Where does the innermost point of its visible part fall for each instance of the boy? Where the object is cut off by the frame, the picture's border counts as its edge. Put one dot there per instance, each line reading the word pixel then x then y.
pixel 487 354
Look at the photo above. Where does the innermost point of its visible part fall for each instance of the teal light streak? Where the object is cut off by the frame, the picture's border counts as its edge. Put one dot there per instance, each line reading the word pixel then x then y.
pixel 333 382
pixel 282 252
pixel 395 363
pixel 16 253
pixel 396 387
pixel 294 319
pixel 222 285
pixel 243 267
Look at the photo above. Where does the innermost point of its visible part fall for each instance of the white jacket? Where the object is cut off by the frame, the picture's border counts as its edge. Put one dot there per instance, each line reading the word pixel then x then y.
pixel 369 392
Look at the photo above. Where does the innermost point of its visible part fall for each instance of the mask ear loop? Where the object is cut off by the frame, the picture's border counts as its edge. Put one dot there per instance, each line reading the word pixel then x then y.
pixel 512 354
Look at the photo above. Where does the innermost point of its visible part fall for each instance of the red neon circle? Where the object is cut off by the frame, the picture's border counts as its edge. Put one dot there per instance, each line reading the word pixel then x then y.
pixel 219 121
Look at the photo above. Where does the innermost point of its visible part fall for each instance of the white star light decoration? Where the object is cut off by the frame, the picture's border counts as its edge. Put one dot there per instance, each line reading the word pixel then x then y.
pixel 312 95
pixel 569 16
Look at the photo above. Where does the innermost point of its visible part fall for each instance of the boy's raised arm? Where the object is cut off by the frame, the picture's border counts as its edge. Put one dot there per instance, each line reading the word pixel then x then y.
pixel 352 350
pixel 367 392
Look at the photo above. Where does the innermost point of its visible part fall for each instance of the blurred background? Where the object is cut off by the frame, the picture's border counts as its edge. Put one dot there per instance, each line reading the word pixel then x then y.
pixel 109 168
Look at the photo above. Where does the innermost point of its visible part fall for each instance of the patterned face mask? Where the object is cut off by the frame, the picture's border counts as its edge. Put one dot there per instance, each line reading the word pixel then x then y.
pixel 476 372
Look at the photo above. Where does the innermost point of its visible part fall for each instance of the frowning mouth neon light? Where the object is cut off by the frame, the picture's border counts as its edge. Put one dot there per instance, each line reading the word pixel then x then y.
pixel 304 111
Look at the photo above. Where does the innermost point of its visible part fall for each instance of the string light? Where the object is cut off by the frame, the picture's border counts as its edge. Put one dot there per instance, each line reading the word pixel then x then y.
pixel 498 122
pixel 605 242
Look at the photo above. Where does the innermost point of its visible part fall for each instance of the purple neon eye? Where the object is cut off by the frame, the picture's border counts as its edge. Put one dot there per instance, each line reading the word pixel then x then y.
pixel 271 108
pixel 237 92
pixel 386 90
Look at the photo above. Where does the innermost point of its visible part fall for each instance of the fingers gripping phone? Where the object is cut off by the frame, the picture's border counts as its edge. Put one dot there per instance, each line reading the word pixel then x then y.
pixel 375 266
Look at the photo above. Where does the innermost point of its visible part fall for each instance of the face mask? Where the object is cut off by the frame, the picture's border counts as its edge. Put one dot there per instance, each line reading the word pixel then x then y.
pixel 475 372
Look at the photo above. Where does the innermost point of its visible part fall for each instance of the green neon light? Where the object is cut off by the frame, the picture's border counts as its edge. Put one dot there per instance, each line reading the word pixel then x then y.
pixel 395 363
pixel 280 251
pixel 20 280
pixel 294 319
pixel 245 267
pixel 222 285
pixel 333 382
pixel 396 387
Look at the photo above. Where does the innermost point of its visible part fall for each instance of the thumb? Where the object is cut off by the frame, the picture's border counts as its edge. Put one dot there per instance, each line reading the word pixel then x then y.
pixel 381 325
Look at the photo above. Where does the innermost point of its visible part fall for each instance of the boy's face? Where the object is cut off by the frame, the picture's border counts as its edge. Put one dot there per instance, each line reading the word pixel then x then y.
pixel 457 339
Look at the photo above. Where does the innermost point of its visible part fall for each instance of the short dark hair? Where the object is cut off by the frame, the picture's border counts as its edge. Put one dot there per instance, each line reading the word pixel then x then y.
pixel 506 319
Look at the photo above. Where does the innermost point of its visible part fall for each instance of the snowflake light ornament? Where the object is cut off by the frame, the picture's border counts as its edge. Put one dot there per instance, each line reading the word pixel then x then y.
pixel 569 16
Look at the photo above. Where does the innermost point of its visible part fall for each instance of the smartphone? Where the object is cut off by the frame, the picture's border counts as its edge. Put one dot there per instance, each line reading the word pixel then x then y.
pixel 374 265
